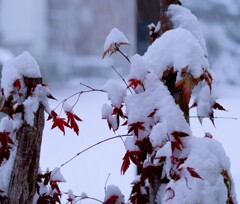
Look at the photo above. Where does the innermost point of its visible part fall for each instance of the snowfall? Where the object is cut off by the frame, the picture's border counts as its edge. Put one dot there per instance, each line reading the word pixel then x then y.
pixel 93 170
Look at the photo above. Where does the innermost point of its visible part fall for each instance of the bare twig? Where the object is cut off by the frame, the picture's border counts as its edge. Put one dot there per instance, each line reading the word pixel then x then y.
pixel 228 118
pixel 122 79
pixel 124 55
pixel 94 145
pixel 78 94
pixel 105 187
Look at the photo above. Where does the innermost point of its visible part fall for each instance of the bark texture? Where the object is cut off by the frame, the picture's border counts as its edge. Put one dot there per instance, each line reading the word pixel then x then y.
pixel 22 185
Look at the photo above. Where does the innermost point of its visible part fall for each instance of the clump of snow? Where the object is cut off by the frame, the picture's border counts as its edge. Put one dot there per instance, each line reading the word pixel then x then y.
pixel 138 69
pixel 204 100
pixel 207 157
pixel 57 176
pixel 26 65
pixel 71 197
pixel 67 107
pixel 115 36
pixel 130 144
pixel 183 18
pixel 21 66
pixel 177 48
pixel 116 92
pixel 156 96
pixel 114 191
pixel 83 195
pixel 31 105
pixel 106 111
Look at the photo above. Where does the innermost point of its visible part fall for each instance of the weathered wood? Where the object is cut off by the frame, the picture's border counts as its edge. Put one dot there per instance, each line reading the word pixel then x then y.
pixel 22 185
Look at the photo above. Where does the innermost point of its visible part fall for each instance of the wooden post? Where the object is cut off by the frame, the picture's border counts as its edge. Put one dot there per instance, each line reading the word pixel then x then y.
pixel 22 186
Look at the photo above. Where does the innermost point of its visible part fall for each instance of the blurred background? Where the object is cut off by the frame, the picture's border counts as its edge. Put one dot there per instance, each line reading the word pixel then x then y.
pixel 67 37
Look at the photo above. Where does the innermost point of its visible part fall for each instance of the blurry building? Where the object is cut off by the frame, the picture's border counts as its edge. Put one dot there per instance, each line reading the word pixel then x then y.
pixel 66 37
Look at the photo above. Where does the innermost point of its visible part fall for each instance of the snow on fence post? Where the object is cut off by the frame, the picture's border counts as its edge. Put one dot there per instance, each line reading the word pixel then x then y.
pixel 24 103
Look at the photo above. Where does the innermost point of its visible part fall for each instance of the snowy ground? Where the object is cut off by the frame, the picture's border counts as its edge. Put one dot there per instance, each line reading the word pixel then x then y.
pixel 89 172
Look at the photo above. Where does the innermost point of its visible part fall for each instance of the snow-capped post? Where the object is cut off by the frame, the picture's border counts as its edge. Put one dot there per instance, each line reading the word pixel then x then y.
pixel 25 98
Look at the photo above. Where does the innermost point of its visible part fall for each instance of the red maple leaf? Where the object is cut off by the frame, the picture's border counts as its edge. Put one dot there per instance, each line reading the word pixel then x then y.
pixel 5 146
pixel 111 200
pixel 193 173
pixel 126 163
pixel 72 121
pixel 180 134
pixel 187 83
pixel 176 145
pixel 218 106
pixel 134 83
pixel 152 113
pixel 53 114
pixel 134 156
pixel 208 78
pixel 5 139
pixel 135 127
pixel 60 123
pixel 145 145
pixel 149 173
pixel 55 186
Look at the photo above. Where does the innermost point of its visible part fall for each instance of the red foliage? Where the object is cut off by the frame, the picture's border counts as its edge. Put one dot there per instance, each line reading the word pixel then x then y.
pixel 17 84
pixel 52 115
pixel 193 172
pixel 137 195
pixel 218 106
pixel 208 78
pixel 54 194
pixel 71 120
pixel 111 200
pixel 135 127
pixel 60 123
pixel 134 157
pixel 5 147
pixel 134 83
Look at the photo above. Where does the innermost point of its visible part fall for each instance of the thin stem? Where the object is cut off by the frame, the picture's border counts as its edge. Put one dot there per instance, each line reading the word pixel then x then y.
pixel 122 79
pixel 118 50
pixel 105 187
pixel 228 118
pixel 79 94
pixel 90 198
pixel 90 147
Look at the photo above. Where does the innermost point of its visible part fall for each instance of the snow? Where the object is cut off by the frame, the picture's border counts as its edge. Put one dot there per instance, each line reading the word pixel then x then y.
pixel 115 36
pixel 106 111
pixel 183 18
pixel 57 176
pixel 176 48
pixel 156 96
pixel 88 173
pixel 7 165
pixel 114 191
pixel 138 69
pixel 197 190
pixel 21 66
pixel 204 100
pixel 116 92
